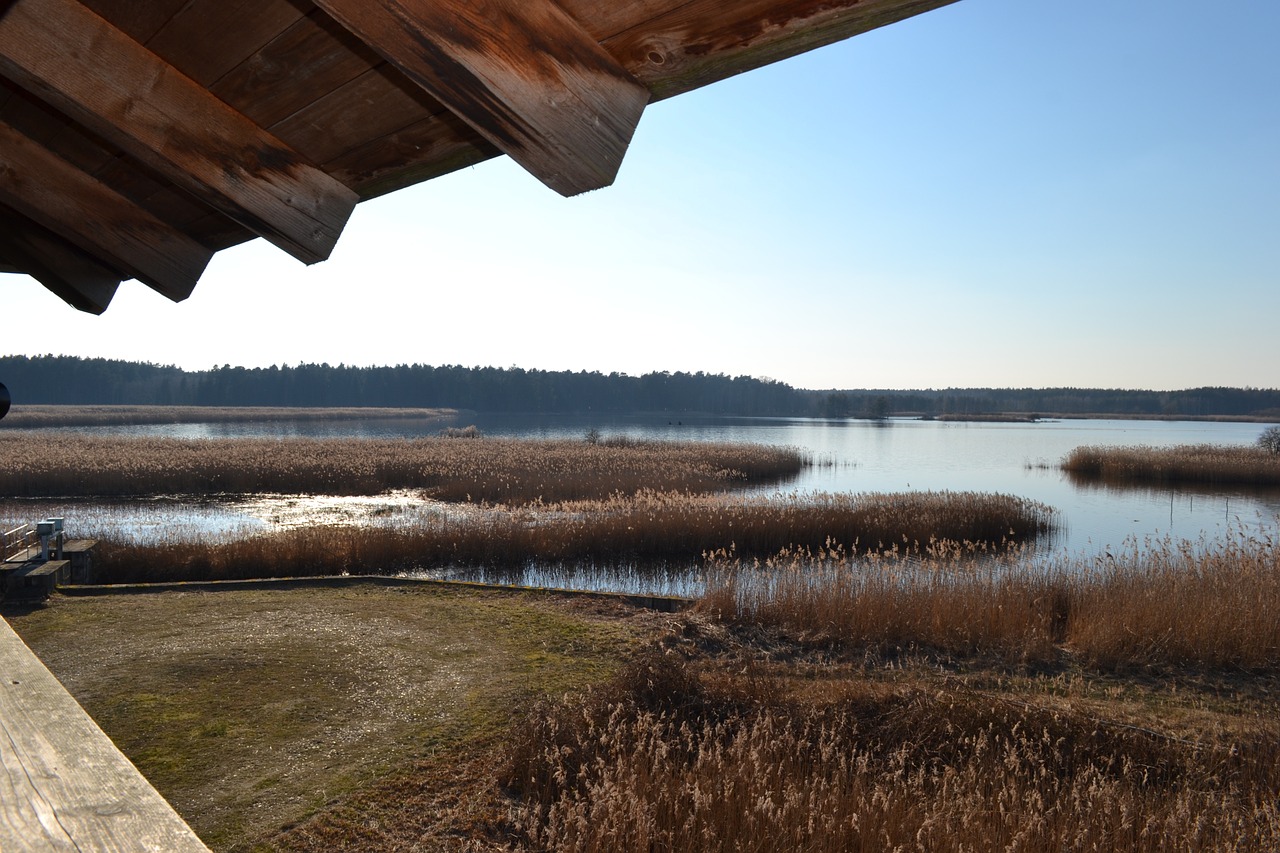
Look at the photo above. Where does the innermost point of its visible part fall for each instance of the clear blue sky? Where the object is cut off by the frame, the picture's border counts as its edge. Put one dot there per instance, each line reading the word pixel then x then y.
pixel 996 193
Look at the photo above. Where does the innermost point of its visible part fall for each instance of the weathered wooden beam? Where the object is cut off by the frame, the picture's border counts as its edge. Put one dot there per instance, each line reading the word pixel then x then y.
pixel 64 785
pixel 703 41
pixel 99 76
pixel 522 73
pixel 85 212
pixel 73 276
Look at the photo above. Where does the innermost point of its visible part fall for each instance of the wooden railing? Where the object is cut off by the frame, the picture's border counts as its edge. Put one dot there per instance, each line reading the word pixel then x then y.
pixel 18 541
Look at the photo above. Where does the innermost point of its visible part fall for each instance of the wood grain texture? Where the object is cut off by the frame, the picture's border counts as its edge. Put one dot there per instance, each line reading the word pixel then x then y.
pixel 229 118
pixel 522 73
pixel 64 786
pixel 312 57
pixel 101 222
pixel 100 77
pixel 198 42
pixel 70 274
pixel 428 149
pixel 368 107
pixel 703 41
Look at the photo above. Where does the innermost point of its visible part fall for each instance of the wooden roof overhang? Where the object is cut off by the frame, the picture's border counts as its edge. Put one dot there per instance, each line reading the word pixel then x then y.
pixel 138 137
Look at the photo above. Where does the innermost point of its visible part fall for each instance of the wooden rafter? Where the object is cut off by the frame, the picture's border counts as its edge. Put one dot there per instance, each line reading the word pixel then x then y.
pixel 72 275
pixel 699 42
pixel 522 73
pixel 48 190
pixel 96 74
pixel 194 125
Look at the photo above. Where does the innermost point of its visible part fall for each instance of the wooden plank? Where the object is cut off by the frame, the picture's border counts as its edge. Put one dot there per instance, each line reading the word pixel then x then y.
pixel 522 73
pixel 312 57
pixel 73 276
pixel 428 149
pixel 703 41
pixel 99 76
pixel 92 216
pixel 198 42
pixel 39 570
pixel 63 784
pixel 373 105
pixel 140 20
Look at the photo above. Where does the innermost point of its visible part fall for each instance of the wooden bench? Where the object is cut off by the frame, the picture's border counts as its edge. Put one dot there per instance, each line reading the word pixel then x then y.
pixel 34 579
pixel 63 784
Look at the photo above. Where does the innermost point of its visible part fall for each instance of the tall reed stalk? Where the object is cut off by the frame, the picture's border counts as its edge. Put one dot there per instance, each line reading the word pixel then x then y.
pixel 674 759
pixel 1207 603
pixel 494 470
pixel 651 529
pixel 1200 463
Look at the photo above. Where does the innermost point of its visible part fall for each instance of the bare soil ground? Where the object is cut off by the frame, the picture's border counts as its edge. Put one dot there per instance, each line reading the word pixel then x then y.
pixel 252 710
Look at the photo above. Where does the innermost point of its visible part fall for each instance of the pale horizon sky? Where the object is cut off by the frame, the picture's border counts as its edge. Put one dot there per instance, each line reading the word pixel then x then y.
pixel 999 193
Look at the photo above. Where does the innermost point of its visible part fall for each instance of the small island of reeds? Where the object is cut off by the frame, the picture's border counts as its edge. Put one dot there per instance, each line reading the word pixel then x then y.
pixel 503 504
pixel 1205 464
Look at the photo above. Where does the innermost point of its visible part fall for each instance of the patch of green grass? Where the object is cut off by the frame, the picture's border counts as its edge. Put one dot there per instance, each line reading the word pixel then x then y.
pixel 250 709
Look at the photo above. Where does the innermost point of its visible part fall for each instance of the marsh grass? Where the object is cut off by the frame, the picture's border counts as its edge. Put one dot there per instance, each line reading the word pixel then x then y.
pixel 1206 603
pixel 964 726
pixel 42 417
pixel 1206 464
pixel 511 471
pixel 678 757
pixel 651 529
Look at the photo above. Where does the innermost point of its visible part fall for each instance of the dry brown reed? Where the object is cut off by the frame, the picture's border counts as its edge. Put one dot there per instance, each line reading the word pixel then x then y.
pixel 1208 603
pixel 42 417
pixel 1199 463
pixel 673 759
pixel 43 464
pixel 649 529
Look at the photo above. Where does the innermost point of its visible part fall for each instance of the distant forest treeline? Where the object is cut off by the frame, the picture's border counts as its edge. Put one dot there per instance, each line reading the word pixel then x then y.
pixel 95 381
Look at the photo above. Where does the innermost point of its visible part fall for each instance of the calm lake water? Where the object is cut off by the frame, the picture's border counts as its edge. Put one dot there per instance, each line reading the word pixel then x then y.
pixel 855 456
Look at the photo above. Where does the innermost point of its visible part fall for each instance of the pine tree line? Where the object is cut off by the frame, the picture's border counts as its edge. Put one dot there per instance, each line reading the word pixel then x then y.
pixel 72 380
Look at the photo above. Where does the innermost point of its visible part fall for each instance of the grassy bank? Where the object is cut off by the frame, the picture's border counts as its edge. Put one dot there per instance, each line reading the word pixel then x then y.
pixel 1204 464
pixel 649 530
pixel 489 470
pixel 251 709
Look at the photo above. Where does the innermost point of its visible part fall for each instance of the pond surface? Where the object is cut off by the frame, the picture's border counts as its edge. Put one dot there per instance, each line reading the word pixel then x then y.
pixel 851 455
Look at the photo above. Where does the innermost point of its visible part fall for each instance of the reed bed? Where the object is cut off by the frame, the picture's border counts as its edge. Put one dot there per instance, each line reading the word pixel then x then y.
pixel 1199 463
pixel 495 471
pixel 43 417
pixel 672 758
pixel 651 529
pixel 1208 603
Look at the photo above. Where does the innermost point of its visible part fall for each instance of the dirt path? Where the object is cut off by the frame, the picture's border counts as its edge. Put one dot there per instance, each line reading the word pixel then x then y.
pixel 250 709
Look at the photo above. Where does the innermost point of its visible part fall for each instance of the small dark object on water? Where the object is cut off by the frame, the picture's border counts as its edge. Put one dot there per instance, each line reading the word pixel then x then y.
pixel 4 400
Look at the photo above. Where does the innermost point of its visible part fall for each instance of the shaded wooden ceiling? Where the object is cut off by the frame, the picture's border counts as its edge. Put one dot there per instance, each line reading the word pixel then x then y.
pixel 138 137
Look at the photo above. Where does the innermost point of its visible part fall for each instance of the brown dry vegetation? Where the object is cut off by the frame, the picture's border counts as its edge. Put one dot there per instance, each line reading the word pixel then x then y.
pixel 1212 603
pixel 649 529
pixel 490 470
pixel 1199 463
pixel 987 735
pixel 42 417
pixel 1144 718
pixel 680 755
